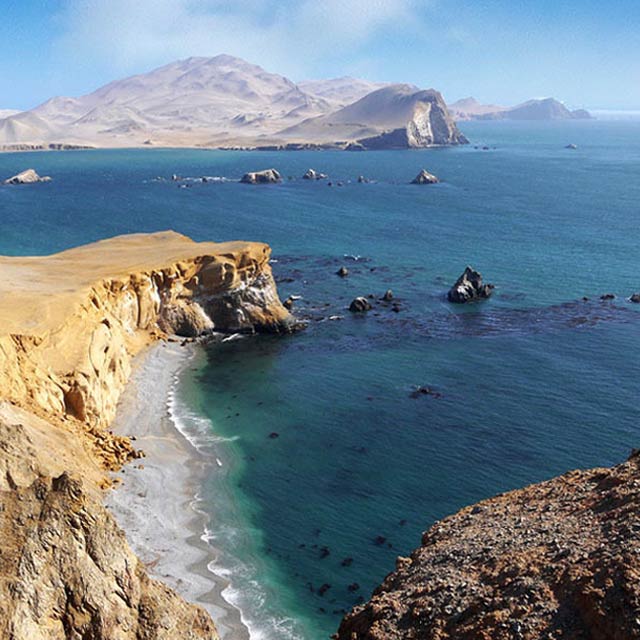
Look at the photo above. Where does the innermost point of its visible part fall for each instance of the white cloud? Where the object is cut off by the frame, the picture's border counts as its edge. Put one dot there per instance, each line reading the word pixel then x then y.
pixel 122 36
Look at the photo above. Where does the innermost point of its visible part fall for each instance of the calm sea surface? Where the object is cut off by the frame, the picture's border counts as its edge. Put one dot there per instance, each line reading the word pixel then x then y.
pixel 327 467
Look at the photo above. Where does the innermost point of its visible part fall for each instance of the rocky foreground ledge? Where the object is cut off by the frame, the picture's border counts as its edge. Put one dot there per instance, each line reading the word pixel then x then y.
pixel 559 559
pixel 70 325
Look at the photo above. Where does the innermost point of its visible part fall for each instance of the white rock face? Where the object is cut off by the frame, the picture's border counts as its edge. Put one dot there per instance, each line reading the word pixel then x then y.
pixel 28 176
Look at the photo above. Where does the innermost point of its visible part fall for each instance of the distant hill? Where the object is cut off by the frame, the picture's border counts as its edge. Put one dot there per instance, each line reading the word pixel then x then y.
pixel 539 109
pixel 340 92
pixel 397 115
pixel 5 113
pixel 225 101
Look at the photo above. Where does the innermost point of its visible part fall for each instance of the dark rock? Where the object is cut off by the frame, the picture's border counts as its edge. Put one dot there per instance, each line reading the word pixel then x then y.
pixel 469 288
pixel 635 298
pixel 288 303
pixel 274 434
pixel 379 540
pixel 323 589
pixel 363 180
pixel 571 146
pixel 359 305
pixel 267 176
pixel 388 295
pixel 608 296
pixel 354 586
pixel 347 562
pixel 343 272
pixel 425 391
pixel 424 177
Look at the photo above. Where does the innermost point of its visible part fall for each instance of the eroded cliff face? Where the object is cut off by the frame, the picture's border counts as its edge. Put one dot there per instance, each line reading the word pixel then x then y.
pixel 554 560
pixel 72 356
pixel 70 325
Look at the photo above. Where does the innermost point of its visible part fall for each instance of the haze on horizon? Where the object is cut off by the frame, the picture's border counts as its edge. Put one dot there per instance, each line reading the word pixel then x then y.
pixel 582 52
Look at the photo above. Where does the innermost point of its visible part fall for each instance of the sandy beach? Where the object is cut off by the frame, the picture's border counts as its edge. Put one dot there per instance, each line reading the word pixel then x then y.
pixel 156 501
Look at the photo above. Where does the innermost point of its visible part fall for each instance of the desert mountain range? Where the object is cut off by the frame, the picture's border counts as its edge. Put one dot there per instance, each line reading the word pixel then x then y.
pixel 227 102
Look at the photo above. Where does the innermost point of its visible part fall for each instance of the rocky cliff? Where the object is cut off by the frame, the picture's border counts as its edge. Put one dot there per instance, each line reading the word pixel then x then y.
pixel 557 559
pixel 70 325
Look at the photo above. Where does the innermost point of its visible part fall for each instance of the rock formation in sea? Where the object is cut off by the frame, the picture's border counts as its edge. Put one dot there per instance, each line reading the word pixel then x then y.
pixel 28 176
pixel 312 174
pixel 557 559
pixel 469 287
pixel 424 177
pixel 70 325
pixel 360 305
pixel 266 176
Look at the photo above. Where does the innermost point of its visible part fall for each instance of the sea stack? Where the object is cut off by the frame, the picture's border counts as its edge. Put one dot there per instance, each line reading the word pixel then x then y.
pixel 266 176
pixel 424 177
pixel 29 176
pixel 469 287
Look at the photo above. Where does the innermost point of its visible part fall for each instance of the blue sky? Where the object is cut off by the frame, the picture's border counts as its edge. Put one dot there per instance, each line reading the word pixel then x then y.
pixel 584 52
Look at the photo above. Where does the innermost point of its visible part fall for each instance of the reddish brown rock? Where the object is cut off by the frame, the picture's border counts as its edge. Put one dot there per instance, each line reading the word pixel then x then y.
pixel 559 559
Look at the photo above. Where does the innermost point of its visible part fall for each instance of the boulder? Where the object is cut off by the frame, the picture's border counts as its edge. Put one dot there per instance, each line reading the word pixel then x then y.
pixel 635 297
pixel 27 177
pixel 359 305
pixel 608 296
pixel 388 295
pixel 424 177
pixel 571 146
pixel 343 272
pixel 312 174
pixel 469 288
pixel 267 176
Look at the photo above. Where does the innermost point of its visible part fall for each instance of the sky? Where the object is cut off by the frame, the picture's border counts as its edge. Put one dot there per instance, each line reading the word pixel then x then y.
pixel 583 52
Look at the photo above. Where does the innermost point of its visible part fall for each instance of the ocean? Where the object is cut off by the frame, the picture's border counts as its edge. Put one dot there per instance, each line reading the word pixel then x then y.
pixel 325 464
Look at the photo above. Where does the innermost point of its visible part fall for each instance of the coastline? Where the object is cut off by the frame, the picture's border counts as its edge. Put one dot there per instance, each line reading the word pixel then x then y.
pixel 156 502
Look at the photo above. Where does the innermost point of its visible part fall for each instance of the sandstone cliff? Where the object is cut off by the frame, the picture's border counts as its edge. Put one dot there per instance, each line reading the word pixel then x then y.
pixel 70 325
pixel 554 560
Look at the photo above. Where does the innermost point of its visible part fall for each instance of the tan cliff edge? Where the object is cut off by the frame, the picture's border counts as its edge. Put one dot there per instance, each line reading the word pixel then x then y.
pixel 70 325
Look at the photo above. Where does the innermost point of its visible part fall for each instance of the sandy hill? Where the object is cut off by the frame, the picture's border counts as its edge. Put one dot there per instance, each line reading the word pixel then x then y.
pixel 537 109
pixel 398 115
pixel 219 101
pixel 340 92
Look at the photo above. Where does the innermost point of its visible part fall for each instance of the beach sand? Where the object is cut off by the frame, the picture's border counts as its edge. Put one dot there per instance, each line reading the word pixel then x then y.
pixel 156 505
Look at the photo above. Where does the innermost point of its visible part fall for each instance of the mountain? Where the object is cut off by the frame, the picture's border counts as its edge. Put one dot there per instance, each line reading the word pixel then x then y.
pixel 226 101
pixel 5 113
pixel 396 116
pixel 339 92
pixel 469 108
pixel 540 109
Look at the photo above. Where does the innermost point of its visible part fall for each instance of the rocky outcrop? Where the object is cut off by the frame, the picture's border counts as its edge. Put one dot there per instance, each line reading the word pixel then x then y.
pixel 424 177
pixel 469 287
pixel 67 572
pixel 267 176
pixel 554 560
pixel 29 176
pixel 312 174
pixel 70 323
pixel 359 305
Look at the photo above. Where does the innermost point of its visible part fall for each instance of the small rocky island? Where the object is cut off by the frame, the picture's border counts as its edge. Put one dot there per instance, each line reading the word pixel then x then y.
pixel 29 176
pixel 469 287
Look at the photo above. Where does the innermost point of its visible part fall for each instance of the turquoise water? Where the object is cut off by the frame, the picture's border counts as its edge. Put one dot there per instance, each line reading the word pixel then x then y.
pixel 533 382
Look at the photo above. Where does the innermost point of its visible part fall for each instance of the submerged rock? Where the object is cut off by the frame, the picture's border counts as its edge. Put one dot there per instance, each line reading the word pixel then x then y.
pixel 359 305
pixel 469 287
pixel 312 174
pixel 266 176
pixel 571 146
pixel 343 272
pixel 388 295
pixel 635 297
pixel 424 177
pixel 29 176
pixel 608 296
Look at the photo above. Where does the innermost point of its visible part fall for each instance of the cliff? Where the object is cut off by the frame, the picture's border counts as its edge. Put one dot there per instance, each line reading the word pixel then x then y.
pixel 397 116
pixel 70 325
pixel 554 560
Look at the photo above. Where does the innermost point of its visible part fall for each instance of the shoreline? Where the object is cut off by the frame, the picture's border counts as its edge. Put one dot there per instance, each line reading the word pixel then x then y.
pixel 156 502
